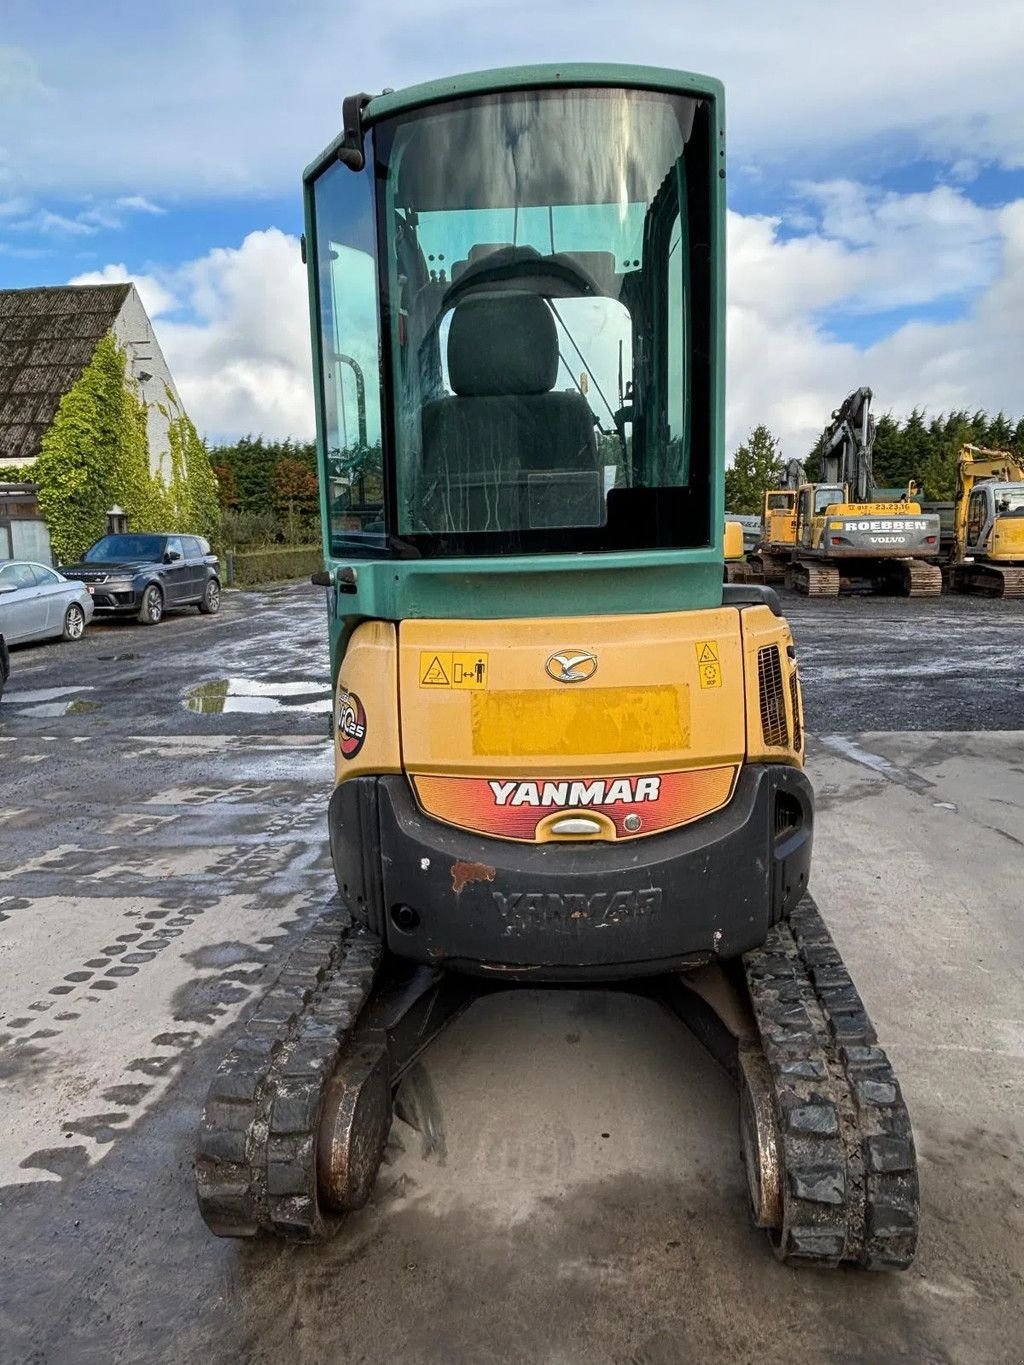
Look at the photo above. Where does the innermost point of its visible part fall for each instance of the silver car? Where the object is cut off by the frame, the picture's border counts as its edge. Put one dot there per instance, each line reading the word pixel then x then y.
pixel 36 603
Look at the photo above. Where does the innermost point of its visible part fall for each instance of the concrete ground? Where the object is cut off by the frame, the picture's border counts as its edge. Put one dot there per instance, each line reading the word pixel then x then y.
pixel 571 1190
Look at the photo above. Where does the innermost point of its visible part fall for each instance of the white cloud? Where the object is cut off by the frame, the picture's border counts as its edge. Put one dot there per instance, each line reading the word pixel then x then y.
pixel 56 225
pixel 223 103
pixel 244 364
pixel 156 297
pixel 786 370
pixel 138 203
pixel 242 361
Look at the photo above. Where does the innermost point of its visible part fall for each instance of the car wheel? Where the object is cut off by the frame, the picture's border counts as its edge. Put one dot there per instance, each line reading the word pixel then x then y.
pixel 151 609
pixel 209 603
pixel 74 622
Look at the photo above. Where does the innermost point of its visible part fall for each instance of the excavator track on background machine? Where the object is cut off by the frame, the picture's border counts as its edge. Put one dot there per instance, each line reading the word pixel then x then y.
pixel 566 754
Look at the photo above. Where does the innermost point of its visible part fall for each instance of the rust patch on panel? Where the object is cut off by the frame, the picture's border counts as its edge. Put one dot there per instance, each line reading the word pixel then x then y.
pixel 463 873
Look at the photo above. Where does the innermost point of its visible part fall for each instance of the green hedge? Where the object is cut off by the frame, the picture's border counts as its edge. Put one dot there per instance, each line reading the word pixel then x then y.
pixel 275 566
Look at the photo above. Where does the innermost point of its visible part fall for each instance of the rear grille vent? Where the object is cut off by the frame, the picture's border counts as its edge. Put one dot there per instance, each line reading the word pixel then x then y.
pixel 774 727
pixel 794 696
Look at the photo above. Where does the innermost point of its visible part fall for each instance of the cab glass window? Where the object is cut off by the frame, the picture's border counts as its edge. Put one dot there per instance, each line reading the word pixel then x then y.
pixel 975 515
pixel 350 411
pixel 515 330
pixel 824 498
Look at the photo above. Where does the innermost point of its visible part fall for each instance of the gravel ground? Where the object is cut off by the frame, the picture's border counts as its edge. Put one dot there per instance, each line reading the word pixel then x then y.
pixel 891 663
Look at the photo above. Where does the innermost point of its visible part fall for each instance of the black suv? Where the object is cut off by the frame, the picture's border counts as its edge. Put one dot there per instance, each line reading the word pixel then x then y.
pixel 147 573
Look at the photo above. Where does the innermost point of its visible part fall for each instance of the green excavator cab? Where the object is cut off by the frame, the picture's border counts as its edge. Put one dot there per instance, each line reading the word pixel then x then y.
pixel 535 258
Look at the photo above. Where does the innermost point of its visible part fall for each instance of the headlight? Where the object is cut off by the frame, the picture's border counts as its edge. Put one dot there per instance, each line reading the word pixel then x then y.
pixel 118 585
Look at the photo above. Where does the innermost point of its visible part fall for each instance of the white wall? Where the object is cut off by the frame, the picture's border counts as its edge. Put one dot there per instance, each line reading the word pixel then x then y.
pixel 134 333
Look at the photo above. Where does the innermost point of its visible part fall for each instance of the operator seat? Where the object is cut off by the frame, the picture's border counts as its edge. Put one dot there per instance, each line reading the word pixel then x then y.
pixel 504 424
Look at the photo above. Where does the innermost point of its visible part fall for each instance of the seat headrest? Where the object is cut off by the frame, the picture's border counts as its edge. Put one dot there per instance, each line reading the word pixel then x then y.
pixel 502 344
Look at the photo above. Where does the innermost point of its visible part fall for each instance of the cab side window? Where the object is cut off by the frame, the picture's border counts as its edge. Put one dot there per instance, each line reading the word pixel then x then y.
pixel 975 516
pixel 174 547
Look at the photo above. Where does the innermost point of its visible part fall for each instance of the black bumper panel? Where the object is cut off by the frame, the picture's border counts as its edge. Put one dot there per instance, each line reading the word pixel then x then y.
pixel 558 911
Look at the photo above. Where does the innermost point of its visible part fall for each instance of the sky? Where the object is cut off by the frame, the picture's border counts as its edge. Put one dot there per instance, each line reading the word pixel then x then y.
pixel 876 179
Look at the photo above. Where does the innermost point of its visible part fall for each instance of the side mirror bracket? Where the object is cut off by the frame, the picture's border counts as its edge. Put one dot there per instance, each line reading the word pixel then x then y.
pixel 351 153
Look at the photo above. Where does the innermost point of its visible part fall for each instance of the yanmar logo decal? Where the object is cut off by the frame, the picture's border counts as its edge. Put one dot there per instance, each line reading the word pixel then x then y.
pixel 616 791
pixel 513 808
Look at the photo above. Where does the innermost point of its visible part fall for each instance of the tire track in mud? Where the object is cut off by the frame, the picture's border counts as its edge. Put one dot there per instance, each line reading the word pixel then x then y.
pixel 250 854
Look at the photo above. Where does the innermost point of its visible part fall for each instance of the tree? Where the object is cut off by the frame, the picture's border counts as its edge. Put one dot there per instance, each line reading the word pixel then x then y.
pixel 756 467
pixel 227 486
pixel 295 492
pixel 252 462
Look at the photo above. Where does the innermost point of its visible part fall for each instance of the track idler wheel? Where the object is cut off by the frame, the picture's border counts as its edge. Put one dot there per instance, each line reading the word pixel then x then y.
pixel 759 1141
pixel 354 1125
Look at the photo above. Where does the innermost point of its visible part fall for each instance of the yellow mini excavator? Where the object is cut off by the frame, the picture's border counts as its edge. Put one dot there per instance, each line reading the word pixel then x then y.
pixel 835 535
pixel 566 754
pixel 988 524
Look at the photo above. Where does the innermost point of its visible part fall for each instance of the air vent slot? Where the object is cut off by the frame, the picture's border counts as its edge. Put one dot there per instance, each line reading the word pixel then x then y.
pixel 794 696
pixel 774 726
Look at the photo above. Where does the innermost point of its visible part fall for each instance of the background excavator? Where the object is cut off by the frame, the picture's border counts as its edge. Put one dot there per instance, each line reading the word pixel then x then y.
pixel 988 524
pixel 837 534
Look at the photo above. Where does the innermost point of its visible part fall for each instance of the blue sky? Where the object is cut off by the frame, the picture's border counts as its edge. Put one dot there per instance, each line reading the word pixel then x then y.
pixel 876 177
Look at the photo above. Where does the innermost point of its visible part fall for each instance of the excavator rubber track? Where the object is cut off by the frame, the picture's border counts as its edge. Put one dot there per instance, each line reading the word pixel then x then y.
pixel 297 1115
pixel 988 580
pixel 813 579
pixel 848 1186
pixel 256 1158
pixel 922 579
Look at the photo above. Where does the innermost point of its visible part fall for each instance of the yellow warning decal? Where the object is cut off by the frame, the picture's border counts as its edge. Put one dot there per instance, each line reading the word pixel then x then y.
pixel 453 669
pixel 708 663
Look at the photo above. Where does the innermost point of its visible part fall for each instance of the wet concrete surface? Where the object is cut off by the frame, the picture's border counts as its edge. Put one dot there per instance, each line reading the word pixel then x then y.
pixel 565 1186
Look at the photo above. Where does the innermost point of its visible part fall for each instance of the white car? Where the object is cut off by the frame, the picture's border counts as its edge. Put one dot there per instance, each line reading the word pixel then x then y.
pixel 37 603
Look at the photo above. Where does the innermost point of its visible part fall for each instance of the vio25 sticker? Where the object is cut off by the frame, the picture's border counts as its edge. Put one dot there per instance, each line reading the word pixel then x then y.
pixel 351 723
pixel 709 666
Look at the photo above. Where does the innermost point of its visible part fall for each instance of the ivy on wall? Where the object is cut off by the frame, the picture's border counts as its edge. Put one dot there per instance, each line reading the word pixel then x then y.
pixel 192 491
pixel 96 454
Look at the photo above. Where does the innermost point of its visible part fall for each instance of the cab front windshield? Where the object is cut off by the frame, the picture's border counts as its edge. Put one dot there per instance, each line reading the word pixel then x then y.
pixel 538 290
pixel 1010 502
pixel 824 498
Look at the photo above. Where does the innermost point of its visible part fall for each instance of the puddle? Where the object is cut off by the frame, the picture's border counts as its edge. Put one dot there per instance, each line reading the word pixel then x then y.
pixel 61 708
pixel 255 695
pixel 44 694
